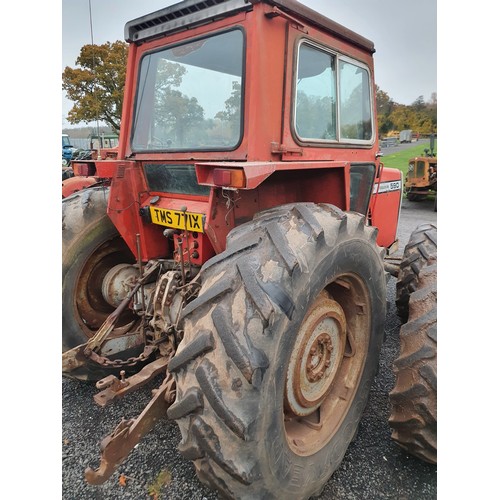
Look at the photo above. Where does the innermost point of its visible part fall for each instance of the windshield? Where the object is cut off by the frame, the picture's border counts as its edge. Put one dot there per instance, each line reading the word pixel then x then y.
pixel 65 141
pixel 189 96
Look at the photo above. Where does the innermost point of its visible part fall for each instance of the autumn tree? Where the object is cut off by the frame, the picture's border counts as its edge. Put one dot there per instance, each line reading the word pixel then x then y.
pixel 385 106
pixel 420 116
pixel 96 84
pixel 384 103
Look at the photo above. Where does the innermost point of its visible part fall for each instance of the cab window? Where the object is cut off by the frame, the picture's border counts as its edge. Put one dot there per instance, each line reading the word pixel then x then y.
pixel 332 97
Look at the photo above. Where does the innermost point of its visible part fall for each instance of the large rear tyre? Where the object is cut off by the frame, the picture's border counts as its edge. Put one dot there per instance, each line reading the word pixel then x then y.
pixel 279 352
pixel 91 246
pixel 419 252
pixel 414 397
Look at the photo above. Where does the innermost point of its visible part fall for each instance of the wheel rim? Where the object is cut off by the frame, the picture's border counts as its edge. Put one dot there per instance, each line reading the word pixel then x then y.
pixel 326 364
pixel 314 364
pixel 89 302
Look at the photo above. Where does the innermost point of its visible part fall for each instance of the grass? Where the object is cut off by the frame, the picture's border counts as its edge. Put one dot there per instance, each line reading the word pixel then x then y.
pixel 400 159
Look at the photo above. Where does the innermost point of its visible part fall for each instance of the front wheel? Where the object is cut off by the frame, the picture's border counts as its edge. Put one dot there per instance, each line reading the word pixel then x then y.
pixel 279 352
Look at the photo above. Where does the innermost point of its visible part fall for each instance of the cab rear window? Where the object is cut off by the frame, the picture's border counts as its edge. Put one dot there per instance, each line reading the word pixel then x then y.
pixel 175 179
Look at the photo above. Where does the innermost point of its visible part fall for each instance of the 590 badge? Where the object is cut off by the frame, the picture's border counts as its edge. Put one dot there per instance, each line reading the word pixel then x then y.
pixel 177 219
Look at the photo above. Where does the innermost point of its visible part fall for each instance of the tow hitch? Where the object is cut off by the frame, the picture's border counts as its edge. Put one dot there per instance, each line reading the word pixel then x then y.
pixel 116 447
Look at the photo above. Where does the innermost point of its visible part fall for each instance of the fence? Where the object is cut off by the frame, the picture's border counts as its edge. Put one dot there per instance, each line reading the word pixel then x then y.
pixel 80 143
pixel 389 142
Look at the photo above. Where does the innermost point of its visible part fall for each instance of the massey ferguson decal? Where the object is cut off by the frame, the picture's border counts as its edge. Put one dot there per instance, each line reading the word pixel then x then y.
pixel 386 187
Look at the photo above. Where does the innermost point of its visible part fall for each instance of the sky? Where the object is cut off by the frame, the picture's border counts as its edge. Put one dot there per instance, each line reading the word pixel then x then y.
pixel 404 33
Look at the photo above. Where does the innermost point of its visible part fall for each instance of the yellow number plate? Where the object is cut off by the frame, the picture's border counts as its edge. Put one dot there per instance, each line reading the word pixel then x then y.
pixel 177 219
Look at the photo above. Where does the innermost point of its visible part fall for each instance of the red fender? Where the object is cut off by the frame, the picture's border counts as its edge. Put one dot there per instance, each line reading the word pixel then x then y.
pixel 74 184
pixel 386 205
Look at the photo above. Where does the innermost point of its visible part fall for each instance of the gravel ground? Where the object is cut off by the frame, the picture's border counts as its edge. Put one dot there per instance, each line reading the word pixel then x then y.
pixel 374 467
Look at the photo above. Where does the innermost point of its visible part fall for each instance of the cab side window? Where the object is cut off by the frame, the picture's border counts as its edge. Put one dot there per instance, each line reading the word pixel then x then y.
pixel 355 110
pixel 316 96
pixel 332 97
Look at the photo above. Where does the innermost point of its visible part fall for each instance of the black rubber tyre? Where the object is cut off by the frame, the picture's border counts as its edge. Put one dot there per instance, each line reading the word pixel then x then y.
pixel 91 246
pixel 420 250
pixel 268 316
pixel 67 173
pixel 414 397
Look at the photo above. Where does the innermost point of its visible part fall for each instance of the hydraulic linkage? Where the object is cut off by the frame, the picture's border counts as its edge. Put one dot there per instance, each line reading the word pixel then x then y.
pixel 116 447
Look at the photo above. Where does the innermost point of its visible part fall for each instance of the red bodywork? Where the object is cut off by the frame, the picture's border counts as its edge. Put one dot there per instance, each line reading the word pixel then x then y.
pixel 77 183
pixel 88 173
pixel 270 166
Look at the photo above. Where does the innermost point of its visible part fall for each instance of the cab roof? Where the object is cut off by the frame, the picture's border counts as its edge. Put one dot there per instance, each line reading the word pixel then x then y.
pixel 189 13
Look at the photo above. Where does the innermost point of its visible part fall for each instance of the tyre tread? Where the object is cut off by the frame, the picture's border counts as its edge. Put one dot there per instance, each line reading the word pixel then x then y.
pixel 240 314
pixel 413 417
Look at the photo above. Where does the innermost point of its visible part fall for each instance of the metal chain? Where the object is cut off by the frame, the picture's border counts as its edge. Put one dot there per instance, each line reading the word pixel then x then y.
pixel 118 363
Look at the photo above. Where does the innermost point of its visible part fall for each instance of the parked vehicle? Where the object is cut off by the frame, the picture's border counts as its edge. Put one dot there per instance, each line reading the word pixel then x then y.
pixel 236 245
pixel 421 177
pixel 405 136
pixel 67 150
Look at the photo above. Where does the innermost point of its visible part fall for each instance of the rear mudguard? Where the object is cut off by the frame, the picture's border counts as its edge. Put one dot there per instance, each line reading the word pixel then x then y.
pixel 74 184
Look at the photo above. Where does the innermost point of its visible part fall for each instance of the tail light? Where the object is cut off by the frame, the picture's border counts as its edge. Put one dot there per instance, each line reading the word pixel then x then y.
pixel 233 177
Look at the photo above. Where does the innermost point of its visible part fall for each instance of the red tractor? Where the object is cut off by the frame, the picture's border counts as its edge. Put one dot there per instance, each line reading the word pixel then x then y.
pixel 238 249
pixel 82 173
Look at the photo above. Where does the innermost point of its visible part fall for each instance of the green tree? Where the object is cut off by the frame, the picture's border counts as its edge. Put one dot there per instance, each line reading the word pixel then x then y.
pixel 384 103
pixel 232 113
pixel 168 75
pixel 181 114
pixel 315 116
pixel 176 113
pixel 385 106
pixel 232 105
pixel 96 84
pixel 418 104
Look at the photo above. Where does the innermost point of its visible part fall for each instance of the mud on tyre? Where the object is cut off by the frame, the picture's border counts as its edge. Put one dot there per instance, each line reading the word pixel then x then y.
pixel 279 352
pixel 420 250
pixel 414 398
pixel 91 246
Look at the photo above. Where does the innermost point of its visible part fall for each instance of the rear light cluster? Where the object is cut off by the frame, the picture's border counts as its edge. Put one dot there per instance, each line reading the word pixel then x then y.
pixel 234 178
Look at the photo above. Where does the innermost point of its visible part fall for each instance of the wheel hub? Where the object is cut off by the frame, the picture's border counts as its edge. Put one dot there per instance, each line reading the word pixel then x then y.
pixel 317 355
pixel 118 282
pixel 318 359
